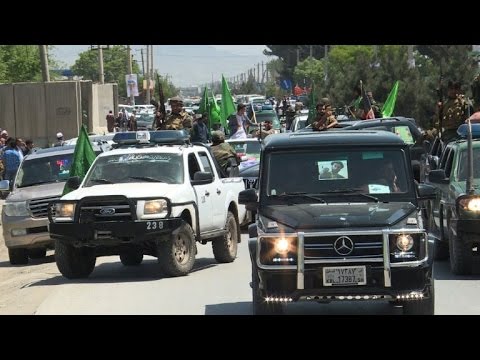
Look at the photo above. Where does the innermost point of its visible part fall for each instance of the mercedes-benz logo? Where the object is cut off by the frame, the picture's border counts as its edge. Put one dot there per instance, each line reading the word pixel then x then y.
pixel 343 246
pixel 107 211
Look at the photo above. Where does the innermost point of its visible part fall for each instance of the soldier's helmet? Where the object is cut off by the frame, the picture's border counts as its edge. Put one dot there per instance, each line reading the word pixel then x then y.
pixel 218 136
pixel 176 99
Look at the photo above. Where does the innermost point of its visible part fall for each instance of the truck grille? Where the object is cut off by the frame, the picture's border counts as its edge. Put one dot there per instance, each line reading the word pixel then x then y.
pixel 38 207
pixel 343 247
pixel 108 210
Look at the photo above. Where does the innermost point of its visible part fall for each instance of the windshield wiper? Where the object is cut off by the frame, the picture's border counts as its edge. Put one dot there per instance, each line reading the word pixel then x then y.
pixel 37 183
pixel 302 194
pixel 146 178
pixel 103 181
pixel 350 192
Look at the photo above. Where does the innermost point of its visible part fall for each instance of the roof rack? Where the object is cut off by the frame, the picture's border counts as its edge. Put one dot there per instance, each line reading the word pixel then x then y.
pixel 161 137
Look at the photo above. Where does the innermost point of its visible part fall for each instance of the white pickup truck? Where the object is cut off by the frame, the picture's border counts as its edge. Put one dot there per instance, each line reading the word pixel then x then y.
pixel 156 194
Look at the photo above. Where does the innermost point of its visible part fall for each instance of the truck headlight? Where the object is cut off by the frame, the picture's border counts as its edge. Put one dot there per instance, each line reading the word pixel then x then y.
pixel 64 211
pixel 470 204
pixel 278 249
pixel 404 242
pixel 151 209
pixel 282 245
pixel 16 208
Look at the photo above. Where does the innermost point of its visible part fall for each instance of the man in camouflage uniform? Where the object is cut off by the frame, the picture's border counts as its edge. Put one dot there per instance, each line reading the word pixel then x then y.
pixel 454 111
pixel 178 119
pixel 222 150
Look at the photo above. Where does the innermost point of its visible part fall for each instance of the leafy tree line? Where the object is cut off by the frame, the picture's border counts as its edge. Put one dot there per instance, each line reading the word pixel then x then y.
pixel 379 67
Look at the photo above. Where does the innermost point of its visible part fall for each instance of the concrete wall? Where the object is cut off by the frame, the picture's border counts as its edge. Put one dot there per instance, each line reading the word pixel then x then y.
pixel 30 112
pixel 102 101
pixel 39 110
pixel 7 108
pixel 62 110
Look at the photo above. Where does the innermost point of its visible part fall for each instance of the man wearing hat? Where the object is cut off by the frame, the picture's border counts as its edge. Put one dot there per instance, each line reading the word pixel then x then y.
pixel 178 118
pixel 221 150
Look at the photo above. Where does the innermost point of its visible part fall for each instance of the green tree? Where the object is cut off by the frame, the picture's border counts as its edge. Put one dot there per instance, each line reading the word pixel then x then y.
pixel 115 65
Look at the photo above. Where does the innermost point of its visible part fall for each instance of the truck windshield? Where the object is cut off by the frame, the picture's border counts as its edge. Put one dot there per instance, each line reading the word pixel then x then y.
pixel 43 170
pixel 139 167
pixel 374 171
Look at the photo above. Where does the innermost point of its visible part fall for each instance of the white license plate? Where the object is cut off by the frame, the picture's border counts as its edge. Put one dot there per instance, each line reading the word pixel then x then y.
pixel 344 275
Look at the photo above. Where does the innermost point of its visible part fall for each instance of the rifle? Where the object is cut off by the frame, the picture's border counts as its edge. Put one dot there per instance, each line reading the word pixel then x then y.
pixel 440 100
pixel 161 101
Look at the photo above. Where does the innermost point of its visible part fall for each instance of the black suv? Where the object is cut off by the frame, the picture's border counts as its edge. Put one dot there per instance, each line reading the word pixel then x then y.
pixel 455 214
pixel 339 218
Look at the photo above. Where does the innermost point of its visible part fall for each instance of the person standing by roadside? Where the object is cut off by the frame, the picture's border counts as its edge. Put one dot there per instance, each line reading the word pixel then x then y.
pixel 110 122
pixel 11 160
pixel 60 140
pixel 29 145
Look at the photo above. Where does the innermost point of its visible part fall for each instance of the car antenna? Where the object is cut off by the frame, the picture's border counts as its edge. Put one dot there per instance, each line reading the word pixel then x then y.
pixel 469 183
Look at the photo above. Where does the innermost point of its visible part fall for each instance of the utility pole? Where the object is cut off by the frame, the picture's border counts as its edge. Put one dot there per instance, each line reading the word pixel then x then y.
pixel 326 63
pixel 263 74
pixel 44 62
pixel 130 70
pixel 258 72
pixel 298 55
pixel 411 60
pixel 143 64
pixel 151 65
pixel 101 75
pixel 311 50
pixel 147 98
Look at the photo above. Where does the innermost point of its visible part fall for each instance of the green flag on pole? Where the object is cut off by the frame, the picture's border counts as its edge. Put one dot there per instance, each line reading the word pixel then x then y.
pixel 83 157
pixel 203 108
pixel 389 105
pixel 227 106
pixel 214 111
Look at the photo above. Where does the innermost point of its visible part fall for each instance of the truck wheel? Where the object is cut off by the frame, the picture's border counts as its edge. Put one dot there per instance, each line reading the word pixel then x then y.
pixel 176 256
pixel 260 306
pixel 131 258
pixel 38 253
pixel 460 254
pixel 421 307
pixel 225 248
pixel 18 256
pixel 74 263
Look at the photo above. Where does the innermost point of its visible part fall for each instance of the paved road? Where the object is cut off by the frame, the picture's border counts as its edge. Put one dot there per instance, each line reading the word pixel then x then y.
pixel 211 289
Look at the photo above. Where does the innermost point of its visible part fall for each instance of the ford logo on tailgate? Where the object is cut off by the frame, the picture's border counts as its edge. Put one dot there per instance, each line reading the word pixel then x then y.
pixel 107 211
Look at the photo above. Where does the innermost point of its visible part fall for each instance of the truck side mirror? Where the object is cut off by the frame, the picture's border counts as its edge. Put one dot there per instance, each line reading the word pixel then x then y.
pixel 426 192
pixel 4 185
pixel 433 160
pixel 248 198
pixel 202 178
pixel 73 182
pixel 438 176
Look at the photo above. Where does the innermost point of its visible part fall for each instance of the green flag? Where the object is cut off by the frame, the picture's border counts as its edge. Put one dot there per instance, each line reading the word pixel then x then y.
pixel 203 108
pixel 214 111
pixel 227 106
pixel 312 99
pixel 83 157
pixel 387 108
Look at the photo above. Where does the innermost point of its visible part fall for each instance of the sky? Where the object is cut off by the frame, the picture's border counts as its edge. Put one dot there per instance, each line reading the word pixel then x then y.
pixel 187 65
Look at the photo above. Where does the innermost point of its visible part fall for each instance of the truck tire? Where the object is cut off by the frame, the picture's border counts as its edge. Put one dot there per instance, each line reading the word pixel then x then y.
pixel 131 258
pixel 18 256
pixel 74 263
pixel 176 256
pixel 38 253
pixel 225 248
pixel 421 307
pixel 260 306
pixel 460 254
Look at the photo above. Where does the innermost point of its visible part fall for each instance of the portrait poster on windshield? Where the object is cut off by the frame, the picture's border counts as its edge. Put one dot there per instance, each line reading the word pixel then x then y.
pixel 132 84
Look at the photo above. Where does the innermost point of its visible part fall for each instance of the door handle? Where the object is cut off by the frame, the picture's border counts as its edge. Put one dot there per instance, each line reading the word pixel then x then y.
pixel 207 193
pixel 219 191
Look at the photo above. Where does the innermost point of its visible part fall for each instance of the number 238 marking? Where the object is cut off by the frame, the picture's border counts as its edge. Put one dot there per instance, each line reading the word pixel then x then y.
pixel 154 225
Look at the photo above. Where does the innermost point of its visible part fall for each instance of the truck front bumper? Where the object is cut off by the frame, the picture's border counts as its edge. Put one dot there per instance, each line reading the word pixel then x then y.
pixel 110 233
